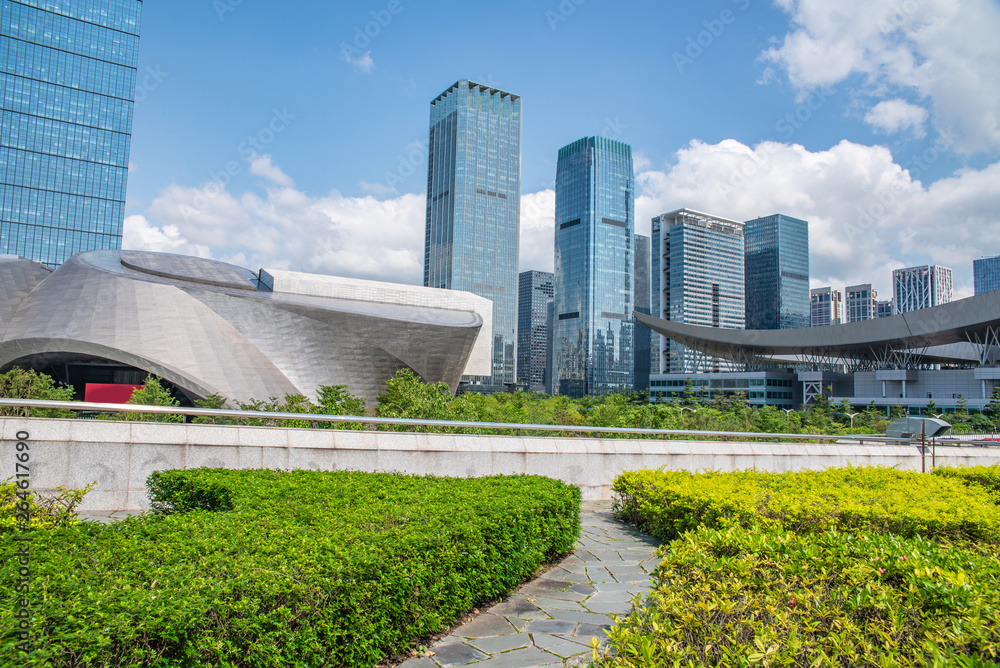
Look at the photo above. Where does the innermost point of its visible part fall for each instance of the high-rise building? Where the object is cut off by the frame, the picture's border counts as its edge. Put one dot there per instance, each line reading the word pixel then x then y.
pixel 777 272
pixel 533 298
pixel 826 307
pixel 594 261
pixel 861 301
pixel 641 303
pixel 884 309
pixel 67 82
pixel 473 210
pixel 915 288
pixel 698 279
pixel 986 274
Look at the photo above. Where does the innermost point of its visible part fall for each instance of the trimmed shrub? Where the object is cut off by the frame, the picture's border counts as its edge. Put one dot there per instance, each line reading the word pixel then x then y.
pixel 878 499
pixel 985 477
pixel 307 568
pixel 740 597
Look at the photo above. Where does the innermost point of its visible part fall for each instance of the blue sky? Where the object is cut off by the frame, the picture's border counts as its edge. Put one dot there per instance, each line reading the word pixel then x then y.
pixel 293 135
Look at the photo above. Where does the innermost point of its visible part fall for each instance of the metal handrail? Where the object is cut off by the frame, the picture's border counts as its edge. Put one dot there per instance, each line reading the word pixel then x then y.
pixel 423 424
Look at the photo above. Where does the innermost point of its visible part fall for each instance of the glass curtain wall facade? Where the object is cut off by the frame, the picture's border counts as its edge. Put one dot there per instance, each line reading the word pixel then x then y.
pixel 67 82
pixel 533 299
pixel 777 272
pixel 986 274
pixel 826 307
pixel 594 261
pixel 643 335
pixel 698 279
pixel 473 210
pixel 915 288
pixel 861 300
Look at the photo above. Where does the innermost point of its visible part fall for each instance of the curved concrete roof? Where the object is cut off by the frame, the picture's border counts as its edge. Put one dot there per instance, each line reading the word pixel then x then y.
pixel 953 323
pixel 205 327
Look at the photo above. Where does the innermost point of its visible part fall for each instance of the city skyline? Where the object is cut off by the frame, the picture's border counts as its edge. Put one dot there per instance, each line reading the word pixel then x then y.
pixel 239 152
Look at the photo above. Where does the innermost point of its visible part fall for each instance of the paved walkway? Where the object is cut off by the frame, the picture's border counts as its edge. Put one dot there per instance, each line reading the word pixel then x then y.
pixel 550 621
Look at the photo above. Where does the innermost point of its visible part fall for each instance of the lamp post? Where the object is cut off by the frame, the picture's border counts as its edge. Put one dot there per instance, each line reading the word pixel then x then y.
pixel 788 411
pixel 852 416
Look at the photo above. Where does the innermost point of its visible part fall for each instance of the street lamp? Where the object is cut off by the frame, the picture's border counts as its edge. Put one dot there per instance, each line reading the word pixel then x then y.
pixel 852 416
pixel 688 408
pixel 788 411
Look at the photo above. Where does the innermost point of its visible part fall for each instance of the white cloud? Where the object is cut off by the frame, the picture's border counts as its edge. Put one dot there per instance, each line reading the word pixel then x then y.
pixel 944 51
pixel 262 165
pixel 363 61
pixel 538 216
pixel 897 115
pixel 867 216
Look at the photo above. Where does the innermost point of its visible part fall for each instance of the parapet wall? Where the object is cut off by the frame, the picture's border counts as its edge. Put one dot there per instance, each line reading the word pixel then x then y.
pixel 120 455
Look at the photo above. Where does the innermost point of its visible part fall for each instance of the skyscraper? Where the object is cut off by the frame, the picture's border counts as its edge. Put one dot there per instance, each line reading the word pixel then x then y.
pixel 697 279
pixel 777 272
pixel 915 288
pixel 641 298
pixel 534 296
pixel 594 261
pixel 67 81
pixel 986 274
pixel 473 209
pixel 826 307
pixel 861 300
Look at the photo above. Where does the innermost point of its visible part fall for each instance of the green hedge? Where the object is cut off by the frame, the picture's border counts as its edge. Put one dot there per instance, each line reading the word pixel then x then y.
pixel 884 500
pixel 739 597
pixel 854 566
pixel 986 477
pixel 305 568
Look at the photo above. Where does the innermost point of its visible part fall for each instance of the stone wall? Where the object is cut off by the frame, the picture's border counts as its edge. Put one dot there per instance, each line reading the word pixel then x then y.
pixel 120 455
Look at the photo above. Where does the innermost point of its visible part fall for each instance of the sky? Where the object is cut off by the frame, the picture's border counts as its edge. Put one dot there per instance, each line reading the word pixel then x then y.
pixel 294 135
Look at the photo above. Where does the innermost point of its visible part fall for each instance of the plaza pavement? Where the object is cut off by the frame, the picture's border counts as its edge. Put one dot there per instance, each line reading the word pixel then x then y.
pixel 551 620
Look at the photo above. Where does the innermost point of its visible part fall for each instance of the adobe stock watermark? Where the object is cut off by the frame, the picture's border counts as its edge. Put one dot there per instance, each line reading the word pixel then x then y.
pixel 787 125
pixel 613 129
pixel 150 80
pixel 254 145
pixel 355 52
pixel 223 7
pixel 409 162
pixel 884 200
pixel 699 43
pixel 898 16
pixel 562 12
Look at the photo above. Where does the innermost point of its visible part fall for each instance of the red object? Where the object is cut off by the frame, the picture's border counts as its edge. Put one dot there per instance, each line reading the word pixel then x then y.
pixel 101 393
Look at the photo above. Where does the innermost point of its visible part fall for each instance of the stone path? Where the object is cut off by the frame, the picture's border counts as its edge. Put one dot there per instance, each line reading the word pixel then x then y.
pixel 551 620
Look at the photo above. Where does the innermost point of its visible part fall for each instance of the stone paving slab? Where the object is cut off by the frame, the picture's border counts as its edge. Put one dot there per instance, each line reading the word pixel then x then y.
pixel 552 620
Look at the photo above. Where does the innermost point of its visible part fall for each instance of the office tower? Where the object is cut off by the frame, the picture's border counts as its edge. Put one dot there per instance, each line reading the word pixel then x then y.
pixel 826 307
pixel 641 303
pixel 777 272
pixel 534 295
pixel 915 288
pixel 884 309
pixel 66 95
pixel 698 279
pixel 473 210
pixel 986 274
pixel 861 301
pixel 594 261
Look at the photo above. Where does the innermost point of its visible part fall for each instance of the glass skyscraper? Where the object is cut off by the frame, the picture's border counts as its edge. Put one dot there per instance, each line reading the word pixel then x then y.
pixel 473 210
pixel 697 279
pixel 986 274
pixel 534 296
pixel 67 81
pixel 777 272
pixel 595 222
pixel 916 288
pixel 643 335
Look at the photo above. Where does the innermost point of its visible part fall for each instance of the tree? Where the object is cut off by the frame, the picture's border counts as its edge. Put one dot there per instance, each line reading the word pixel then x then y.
pixel 29 384
pixel 931 410
pixel 961 409
pixel 407 396
pixel 152 393
pixel 992 409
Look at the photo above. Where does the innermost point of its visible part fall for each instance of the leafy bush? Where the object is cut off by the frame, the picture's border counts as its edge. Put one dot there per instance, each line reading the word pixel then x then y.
pixel 985 477
pixel 152 393
pixel 738 597
pixel 51 509
pixel 307 569
pixel 884 500
pixel 20 384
